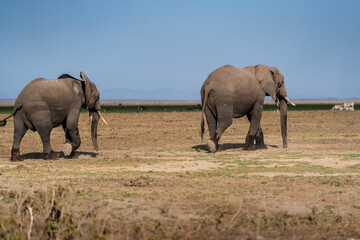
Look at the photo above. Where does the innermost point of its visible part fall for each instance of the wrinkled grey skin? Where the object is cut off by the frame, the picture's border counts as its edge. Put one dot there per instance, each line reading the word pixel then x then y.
pixel 44 104
pixel 230 92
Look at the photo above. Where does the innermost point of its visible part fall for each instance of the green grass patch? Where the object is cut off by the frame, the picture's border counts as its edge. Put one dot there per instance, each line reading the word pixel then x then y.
pixel 347 157
pixel 186 108
pixel 6 109
pixel 148 108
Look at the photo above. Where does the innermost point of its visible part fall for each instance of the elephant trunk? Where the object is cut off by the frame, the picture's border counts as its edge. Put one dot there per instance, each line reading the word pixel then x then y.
pixel 94 124
pixel 283 121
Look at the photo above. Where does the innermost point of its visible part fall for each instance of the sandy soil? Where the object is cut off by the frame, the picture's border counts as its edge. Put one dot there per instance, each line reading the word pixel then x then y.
pixel 154 166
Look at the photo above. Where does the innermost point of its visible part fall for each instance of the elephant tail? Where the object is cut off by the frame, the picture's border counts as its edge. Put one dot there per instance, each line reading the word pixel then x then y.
pixel 3 122
pixel 204 96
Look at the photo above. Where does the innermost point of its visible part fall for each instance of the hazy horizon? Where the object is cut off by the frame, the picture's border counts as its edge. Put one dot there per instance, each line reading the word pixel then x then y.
pixel 165 95
pixel 148 45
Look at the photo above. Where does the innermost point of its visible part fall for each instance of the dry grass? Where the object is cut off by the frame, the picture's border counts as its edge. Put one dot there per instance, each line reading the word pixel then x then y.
pixel 152 178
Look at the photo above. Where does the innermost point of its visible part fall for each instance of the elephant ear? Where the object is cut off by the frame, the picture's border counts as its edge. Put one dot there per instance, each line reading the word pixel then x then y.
pixel 89 98
pixel 265 76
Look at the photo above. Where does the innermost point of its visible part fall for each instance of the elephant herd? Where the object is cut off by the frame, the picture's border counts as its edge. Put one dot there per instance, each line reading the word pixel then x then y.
pixel 227 93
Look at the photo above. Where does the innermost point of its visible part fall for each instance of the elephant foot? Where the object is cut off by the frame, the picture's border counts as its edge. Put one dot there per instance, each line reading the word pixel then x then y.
pixel 15 155
pixel 52 155
pixel 261 146
pixel 67 150
pixel 250 148
pixel 249 144
pixel 285 145
pixel 212 145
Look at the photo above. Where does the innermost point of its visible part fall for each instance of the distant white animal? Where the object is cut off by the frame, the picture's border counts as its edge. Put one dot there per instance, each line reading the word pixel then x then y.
pixel 338 107
pixel 347 106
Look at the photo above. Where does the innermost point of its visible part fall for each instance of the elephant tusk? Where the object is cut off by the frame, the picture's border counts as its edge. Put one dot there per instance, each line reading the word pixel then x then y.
pixel 102 118
pixel 290 102
pixel 277 104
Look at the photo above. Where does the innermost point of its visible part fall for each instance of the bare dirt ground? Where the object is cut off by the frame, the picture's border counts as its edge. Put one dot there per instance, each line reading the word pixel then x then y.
pixel 153 178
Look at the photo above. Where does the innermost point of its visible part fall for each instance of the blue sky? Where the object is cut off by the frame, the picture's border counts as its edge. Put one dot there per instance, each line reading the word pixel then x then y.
pixel 147 45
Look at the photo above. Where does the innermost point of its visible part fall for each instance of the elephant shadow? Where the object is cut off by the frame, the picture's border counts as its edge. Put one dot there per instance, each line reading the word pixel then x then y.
pixel 222 147
pixel 225 146
pixel 40 155
pixel 33 155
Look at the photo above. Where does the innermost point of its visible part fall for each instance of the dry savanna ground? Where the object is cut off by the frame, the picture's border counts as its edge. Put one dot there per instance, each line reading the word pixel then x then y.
pixel 152 178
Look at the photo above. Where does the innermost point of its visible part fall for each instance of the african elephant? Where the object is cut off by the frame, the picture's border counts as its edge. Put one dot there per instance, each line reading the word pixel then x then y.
pixel 230 92
pixel 44 104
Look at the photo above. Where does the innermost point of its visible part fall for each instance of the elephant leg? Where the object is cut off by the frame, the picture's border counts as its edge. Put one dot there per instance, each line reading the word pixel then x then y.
pixel 45 138
pixel 67 135
pixel 73 140
pixel 75 137
pixel 255 131
pixel 19 132
pixel 68 148
pixel 259 138
pixel 225 120
pixel 211 121
pixel 224 117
